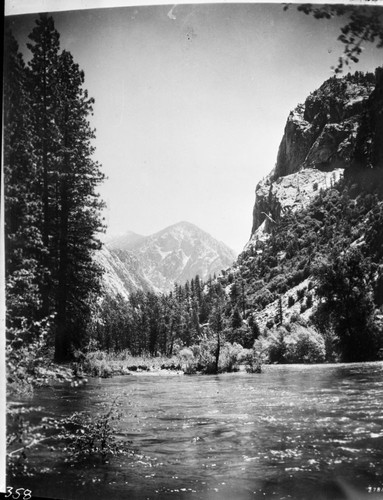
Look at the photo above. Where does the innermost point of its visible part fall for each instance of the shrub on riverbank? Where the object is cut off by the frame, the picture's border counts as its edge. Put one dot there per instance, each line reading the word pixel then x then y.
pixel 202 357
pixel 30 365
pixel 199 358
pixel 294 343
pixel 253 360
pixel 187 360
pixel 106 364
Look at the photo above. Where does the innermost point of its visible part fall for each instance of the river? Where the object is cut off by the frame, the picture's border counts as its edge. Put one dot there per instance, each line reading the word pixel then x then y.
pixel 289 432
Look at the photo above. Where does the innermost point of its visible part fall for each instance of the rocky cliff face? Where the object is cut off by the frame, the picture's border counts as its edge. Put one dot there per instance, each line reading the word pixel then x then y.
pixel 174 255
pixel 287 194
pixel 339 127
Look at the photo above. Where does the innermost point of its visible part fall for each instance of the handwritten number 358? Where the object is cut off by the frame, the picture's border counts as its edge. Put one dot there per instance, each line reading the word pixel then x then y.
pixel 27 493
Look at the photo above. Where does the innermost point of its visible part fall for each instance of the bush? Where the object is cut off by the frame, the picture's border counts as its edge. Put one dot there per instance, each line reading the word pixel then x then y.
pixel 230 356
pixel 24 360
pixel 330 342
pixel 207 356
pixel 253 360
pixel 277 346
pixel 187 361
pixel 309 301
pixel 297 344
pixel 295 278
pixel 295 318
pixel 291 301
pixel 305 345
pixel 264 298
pixel 301 293
pixel 202 357
pixel 95 364
pixel 245 335
pixel 92 436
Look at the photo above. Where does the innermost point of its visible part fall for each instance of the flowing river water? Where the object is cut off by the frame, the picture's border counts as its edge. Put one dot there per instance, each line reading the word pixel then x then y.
pixel 289 432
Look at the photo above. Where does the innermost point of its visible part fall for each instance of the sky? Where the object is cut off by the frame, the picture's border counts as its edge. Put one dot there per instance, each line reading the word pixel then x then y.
pixel 191 102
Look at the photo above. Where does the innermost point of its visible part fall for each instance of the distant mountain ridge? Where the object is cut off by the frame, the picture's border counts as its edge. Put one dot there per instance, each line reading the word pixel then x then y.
pixel 156 262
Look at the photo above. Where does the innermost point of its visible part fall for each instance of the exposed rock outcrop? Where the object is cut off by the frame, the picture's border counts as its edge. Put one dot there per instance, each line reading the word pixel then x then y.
pixel 322 132
pixel 339 127
pixel 289 193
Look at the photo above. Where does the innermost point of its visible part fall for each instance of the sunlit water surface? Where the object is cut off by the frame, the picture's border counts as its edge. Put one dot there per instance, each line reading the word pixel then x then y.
pixel 288 432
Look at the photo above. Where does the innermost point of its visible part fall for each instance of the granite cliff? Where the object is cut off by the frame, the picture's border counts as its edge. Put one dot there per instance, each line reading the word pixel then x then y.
pixel 338 129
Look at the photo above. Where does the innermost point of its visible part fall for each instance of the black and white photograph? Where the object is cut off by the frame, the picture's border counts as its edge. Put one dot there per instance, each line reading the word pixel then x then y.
pixel 192 251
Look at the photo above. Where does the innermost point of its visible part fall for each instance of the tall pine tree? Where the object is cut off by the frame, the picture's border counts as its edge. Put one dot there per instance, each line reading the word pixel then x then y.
pixel 23 239
pixel 42 86
pixel 78 208
pixel 52 205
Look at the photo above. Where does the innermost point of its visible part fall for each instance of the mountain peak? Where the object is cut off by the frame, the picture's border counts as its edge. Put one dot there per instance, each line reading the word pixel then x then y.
pixel 175 254
pixel 179 226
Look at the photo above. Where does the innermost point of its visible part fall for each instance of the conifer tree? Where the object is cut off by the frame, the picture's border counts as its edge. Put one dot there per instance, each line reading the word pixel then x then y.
pixel 77 208
pixel 236 319
pixel 67 177
pixel 23 243
pixel 42 86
